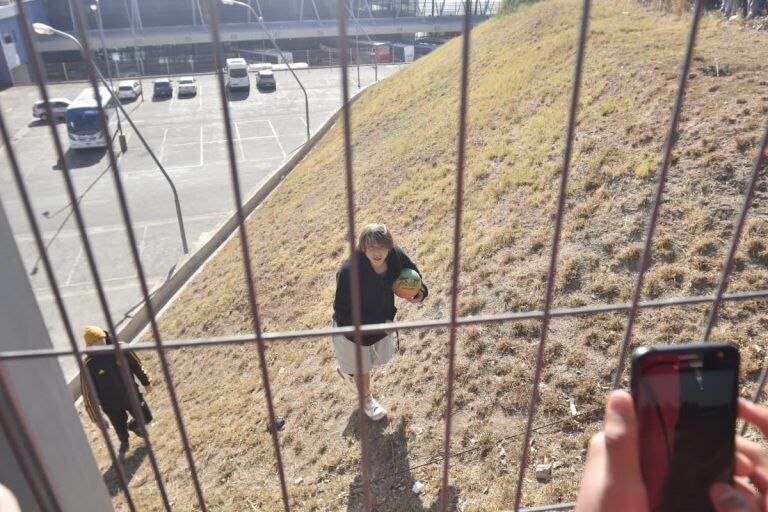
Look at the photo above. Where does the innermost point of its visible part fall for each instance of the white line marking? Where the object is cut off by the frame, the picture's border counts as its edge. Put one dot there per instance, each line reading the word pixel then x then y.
pixel 162 144
pixel 277 138
pixel 143 239
pixel 239 141
pixel 74 267
pixel 303 121
pixel 201 146
pixel 200 97
pixel 294 134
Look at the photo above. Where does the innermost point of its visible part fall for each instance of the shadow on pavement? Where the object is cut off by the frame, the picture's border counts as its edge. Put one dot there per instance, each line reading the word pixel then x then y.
pixel 239 95
pixel 77 159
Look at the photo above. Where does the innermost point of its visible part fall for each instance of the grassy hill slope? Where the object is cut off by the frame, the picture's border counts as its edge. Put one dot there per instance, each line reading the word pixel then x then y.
pixel 404 134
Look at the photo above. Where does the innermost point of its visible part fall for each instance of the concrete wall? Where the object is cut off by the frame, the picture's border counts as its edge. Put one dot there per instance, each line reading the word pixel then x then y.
pixel 41 392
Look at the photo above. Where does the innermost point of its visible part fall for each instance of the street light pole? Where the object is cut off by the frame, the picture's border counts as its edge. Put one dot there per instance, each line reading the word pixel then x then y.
pixel 279 51
pixel 373 46
pixel 45 30
pixel 96 8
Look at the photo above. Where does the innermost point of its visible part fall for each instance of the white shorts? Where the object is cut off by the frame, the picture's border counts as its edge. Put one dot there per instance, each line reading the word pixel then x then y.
pixel 375 355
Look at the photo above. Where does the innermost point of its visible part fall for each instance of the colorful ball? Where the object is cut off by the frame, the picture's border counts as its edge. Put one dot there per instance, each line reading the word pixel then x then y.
pixel 408 285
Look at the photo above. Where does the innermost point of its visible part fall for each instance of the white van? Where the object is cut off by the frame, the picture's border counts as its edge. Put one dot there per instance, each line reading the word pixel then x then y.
pixel 237 74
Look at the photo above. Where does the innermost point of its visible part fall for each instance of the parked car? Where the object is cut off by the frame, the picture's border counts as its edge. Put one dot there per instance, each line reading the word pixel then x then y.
pixel 265 79
pixel 129 90
pixel 187 85
pixel 58 106
pixel 163 88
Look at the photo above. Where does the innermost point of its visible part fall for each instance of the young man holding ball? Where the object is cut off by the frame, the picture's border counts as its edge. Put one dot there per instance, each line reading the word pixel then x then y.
pixel 379 262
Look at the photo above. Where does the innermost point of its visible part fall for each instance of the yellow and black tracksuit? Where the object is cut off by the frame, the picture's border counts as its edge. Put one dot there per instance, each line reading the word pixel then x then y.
pixel 112 393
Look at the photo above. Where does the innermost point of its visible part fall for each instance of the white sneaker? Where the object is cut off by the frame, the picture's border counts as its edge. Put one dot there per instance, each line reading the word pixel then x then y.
pixel 372 408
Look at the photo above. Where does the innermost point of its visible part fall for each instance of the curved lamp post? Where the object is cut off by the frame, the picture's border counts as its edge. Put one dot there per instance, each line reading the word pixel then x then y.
pixel 46 30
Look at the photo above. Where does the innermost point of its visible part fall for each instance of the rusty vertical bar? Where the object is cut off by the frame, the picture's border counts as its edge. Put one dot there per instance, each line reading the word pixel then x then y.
pixel 737 230
pixel 561 198
pixel 666 162
pixel 24 194
pixel 123 204
pixel 461 157
pixel 219 60
pixel 87 249
pixel 354 263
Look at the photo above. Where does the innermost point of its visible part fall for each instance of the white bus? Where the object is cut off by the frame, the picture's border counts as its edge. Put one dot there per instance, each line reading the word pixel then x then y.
pixel 83 124
pixel 237 74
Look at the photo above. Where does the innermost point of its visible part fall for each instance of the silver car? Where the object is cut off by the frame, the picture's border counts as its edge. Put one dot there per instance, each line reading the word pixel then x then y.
pixel 187 85
pixel 58 107
pixel 265 79
pixel 129 90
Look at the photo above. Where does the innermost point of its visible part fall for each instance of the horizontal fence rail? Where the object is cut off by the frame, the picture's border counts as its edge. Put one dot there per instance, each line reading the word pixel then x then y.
pixel 345 57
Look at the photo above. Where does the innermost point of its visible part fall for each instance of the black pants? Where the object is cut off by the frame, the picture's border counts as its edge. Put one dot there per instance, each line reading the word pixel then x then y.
pixel 119 420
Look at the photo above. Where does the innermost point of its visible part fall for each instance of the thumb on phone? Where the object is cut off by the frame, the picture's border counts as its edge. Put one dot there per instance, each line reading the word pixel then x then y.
pixel 621 443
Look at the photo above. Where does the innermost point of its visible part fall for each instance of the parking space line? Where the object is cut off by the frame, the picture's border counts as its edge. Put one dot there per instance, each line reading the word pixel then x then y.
pixel 162 144
pixel 74 267
pixel 143 239
pixel 277 138
pixel 255 137
pixel 239 141
pixel 201 146
pixel 303 121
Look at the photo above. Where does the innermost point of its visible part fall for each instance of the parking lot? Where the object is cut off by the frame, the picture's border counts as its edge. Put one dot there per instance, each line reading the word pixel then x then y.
pixel 188 137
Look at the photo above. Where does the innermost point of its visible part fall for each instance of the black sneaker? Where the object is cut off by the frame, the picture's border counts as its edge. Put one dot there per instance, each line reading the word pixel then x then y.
pixel 123 448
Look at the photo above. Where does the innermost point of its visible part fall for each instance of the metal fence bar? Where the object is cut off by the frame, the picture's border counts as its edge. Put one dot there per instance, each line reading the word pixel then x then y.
pixel 550 508
pixel 237 195
pixel 24 194
pixel 354 263
pixel 123 203
pixel 460 160
pixel 45 498
pixel 87 249
pixel 668 144
pixel 561 199
pixel 410 325
pixel 737 230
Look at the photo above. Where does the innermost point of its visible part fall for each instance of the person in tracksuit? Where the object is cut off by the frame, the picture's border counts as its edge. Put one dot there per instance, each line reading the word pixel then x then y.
pixel 112 393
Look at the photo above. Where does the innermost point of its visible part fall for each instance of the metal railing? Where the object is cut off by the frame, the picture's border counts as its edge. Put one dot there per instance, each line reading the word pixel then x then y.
pixel 257 337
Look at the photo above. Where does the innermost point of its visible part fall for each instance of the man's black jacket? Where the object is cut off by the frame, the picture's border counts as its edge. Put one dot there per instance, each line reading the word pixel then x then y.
pixel 109 385
pixel 378 300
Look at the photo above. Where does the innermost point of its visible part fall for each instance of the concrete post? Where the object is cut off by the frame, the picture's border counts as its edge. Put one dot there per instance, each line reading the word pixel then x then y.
pixel 43 399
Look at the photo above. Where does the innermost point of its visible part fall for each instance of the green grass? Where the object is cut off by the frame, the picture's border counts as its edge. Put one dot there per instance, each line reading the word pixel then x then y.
pixel 404 135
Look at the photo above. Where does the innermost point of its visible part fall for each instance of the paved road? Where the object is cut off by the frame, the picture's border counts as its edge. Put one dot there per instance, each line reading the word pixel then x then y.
pixel 188 137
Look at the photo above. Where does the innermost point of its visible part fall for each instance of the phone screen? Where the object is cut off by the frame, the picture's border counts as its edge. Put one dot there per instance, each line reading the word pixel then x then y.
pixel 686 406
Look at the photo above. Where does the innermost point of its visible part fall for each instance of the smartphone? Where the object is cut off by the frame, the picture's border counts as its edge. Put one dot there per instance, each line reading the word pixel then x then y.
pixel 685 399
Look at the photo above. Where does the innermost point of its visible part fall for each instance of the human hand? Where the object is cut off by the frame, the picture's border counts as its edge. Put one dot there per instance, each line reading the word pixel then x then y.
pixel 749 493
pixel 8 502
pixel 612 479
pixel 148 388
pixel 418 298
